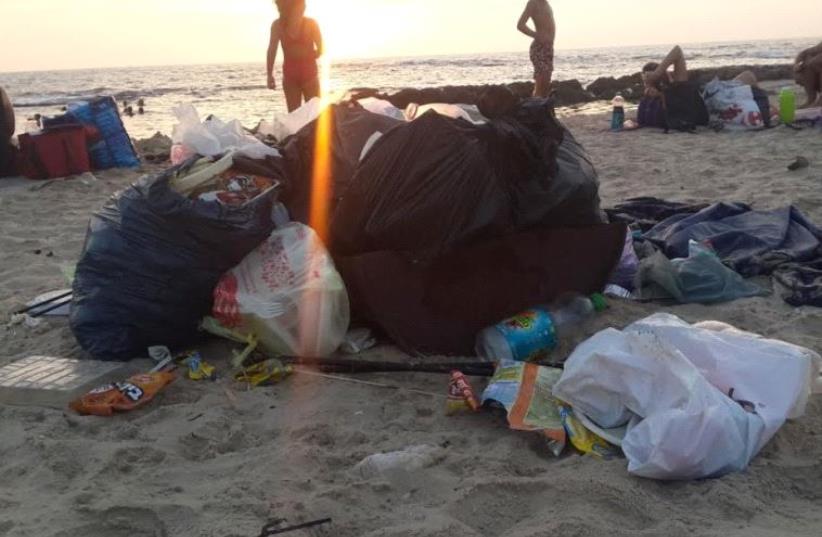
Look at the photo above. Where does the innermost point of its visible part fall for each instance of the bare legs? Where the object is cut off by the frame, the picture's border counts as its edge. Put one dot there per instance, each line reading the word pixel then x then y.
pixel 296 94
pixel 542 85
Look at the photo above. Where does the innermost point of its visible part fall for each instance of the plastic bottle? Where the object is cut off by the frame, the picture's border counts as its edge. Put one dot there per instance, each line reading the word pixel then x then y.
pixel 618 116
pixel 787 105
pixel 533 334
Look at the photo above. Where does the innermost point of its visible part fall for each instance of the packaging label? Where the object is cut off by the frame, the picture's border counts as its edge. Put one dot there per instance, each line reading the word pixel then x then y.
pixel 530 335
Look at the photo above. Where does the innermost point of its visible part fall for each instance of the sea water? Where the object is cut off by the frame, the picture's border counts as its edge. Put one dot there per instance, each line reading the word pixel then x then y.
pixel 238 91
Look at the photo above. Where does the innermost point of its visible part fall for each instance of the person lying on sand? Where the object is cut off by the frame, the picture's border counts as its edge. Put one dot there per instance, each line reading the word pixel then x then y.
pixel 542 48
pixel 302 44
pixel 808 74
pixel 657 77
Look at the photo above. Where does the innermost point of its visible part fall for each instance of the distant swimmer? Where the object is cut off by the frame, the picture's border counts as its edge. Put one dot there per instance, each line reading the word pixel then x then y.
pixel 542 49
pixel 302 44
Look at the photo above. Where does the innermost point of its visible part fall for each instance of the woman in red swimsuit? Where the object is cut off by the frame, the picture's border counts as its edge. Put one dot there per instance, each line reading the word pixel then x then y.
pixel 302 44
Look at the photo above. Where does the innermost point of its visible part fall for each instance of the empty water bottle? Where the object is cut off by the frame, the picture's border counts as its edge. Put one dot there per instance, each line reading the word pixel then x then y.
pixel 533 334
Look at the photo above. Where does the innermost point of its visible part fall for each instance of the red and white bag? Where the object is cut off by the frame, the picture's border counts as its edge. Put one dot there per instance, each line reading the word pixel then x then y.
pixel 288 293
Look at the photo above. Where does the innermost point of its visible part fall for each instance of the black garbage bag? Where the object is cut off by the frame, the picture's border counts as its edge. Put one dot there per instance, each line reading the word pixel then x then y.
pixel 350 128
pixel 437 183
pixel 150 262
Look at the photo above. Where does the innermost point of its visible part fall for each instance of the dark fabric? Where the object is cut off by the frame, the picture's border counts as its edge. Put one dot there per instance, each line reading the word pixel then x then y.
pixel 438 183
pixel 439 308
pixel 764 104
pixel 684 107
pixel 646 212
pixel 150 263
pixel 651 113
pixel 351 127
pixel 750 242
pixel 803 282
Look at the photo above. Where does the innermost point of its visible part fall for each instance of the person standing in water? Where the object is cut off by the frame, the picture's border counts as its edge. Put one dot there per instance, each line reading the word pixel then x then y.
pixel 542 49
pixel 302 44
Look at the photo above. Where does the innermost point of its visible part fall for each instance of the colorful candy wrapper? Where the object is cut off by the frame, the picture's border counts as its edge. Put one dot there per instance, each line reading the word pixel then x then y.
pixel 264 373
pixel 123 396
pixel 524 391
pixel 460 395
pixel 199 369
pixel 585 441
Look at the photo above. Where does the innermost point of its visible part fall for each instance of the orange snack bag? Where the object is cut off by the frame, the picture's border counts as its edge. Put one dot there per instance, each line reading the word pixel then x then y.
pixel 460 395
pixel 122 396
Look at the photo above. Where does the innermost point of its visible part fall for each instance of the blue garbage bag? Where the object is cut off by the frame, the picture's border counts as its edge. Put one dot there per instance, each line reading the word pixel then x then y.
pixel 150 262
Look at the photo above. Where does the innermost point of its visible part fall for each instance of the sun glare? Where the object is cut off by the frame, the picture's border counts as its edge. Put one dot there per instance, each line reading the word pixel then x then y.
pixel 360 28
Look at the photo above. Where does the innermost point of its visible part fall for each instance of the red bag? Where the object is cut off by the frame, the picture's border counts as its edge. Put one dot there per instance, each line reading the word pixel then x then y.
pixel 58 152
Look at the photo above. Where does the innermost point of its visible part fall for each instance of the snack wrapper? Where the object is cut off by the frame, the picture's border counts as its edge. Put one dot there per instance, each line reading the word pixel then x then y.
pixel 199 369
pixel 460 395
pixel 524 390
pixel 122 396
pixel 584 440
pixel 264 373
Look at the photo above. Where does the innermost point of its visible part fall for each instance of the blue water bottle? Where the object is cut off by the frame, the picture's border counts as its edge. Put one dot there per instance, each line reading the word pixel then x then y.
pixel 618 116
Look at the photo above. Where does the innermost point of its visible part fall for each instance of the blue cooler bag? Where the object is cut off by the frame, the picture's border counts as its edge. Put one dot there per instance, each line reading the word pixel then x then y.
pixel 114 150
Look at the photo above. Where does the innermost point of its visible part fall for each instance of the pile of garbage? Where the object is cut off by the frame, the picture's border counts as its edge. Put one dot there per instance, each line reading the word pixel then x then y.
pixel 451 233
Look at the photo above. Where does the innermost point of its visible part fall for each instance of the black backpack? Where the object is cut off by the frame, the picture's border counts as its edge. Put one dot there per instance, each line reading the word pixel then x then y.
pixel 685 109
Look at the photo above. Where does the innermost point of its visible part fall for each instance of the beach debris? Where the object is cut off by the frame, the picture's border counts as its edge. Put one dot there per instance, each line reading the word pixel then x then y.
pixel 408 460
pixel 358 340
pixel 799 164
pixel 161 356
pixel 135 392
pixel 54 382
pixel 198 369
pixel 524 391
pixel 273 527
pixel 585 441
pixel 264 373
pixel 460 395
pixel 52 303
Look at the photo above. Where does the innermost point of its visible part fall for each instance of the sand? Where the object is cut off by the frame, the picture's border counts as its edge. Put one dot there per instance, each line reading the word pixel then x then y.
pixel 202 461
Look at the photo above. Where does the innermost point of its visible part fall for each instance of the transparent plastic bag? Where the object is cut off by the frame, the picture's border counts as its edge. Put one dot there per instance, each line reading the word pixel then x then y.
pixel 285 126
pixel 212 137
pixel 288 293
pixel 699 278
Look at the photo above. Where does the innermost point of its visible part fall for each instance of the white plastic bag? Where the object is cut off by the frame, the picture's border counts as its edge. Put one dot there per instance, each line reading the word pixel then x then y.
pixel 382 107
pixel 288 293
pixel 699 400
pixel 733 103
pixel 213 137
pixel 285 126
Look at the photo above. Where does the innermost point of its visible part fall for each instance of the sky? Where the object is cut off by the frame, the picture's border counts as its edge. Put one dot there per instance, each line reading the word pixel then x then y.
pixel 69 34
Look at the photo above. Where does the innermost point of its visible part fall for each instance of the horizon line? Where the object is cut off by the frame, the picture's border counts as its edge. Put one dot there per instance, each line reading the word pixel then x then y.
pixel 398 57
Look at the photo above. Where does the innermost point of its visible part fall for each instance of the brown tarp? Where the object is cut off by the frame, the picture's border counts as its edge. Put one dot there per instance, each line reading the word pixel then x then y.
pixel 438 308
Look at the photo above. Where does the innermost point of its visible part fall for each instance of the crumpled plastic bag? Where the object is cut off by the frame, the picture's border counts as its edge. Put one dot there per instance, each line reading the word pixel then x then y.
pixel 288 293
pixel 700 401
pixel 284 126
pixel 733 103
pixel 699 278
pixel 624 274
pixel 212 137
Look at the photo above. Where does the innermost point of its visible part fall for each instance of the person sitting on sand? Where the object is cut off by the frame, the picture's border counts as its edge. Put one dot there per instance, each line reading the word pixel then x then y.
pixel 808 73
pixel 302 44
pixel 657 77
pixel 542 48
